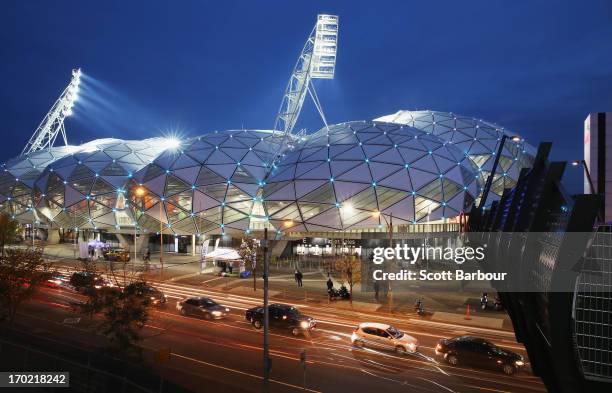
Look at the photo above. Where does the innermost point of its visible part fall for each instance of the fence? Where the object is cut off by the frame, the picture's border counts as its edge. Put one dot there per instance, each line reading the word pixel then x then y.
pixel 89 372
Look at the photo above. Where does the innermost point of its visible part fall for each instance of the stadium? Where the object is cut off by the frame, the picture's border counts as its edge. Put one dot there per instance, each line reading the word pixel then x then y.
pixel 401 170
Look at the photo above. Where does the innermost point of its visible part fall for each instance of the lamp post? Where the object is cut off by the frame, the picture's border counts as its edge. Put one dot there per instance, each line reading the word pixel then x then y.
pixel 600 213
pixel 487 187
pixel 389 223
pixel 586 172
pixel 266 344
pixel 141 192
pixel 161 239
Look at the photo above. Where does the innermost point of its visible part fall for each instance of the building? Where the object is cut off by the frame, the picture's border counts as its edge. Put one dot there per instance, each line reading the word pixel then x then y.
pixel 559 272
pixel 597 150
pixel 478 140
pixel 352 176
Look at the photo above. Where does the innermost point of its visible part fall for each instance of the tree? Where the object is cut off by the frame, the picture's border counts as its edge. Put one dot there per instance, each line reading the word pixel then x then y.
pixel 21 272
pixel 349 267
pixel 125 315
pixel 250 251
pixel 8 230
pixel 123 307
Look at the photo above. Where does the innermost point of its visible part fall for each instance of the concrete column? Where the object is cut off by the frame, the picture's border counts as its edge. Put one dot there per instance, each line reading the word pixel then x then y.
pixel 193 245
pixel 53 236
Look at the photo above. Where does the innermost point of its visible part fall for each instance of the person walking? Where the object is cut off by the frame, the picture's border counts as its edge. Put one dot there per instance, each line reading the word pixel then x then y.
pixel 330 287
pixel 299 277
pixel 295 276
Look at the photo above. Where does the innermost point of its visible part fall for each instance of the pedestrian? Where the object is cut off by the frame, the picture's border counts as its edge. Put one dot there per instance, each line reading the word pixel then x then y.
pixel 330 284
pixel 299 278
pixel 147 255
pixel 376 289
pixel 230 267
pixel 295 276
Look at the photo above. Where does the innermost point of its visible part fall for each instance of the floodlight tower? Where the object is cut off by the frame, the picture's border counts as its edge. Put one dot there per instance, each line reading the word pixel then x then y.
pixel 53 122
pixel 316 61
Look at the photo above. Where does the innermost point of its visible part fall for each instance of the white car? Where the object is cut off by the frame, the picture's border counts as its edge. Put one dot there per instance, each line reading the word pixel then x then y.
pixel 383 336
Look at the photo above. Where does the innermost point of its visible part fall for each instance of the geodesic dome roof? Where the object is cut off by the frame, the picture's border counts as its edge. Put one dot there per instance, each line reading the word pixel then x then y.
pixel 347 175
pixel 18 176
pixel 477 139
pixel 212 183
pixel 86 188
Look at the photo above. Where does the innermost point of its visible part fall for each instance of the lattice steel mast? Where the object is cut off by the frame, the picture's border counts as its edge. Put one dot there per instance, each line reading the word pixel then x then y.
pixel 316 61
pixel 53 122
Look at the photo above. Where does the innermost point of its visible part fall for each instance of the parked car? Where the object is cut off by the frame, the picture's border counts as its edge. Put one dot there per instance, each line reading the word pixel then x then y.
pixel 283 317
pixel 85 281
pixel 383 336
pixel 475 351
pixel 202 307
pixel 116 254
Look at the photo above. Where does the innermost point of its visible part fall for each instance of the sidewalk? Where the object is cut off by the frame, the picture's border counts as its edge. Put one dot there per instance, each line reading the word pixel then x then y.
pixel 440 306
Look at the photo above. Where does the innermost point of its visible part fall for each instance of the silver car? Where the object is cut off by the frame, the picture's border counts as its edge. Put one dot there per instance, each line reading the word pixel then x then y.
pixel 383 336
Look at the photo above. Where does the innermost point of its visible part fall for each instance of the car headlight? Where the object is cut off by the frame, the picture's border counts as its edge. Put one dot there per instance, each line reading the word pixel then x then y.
pixel 519 363
pixel 216 313
pixel 304 324
pixel 226 309
pixel 97 286
pixel 412 347
pixel 152 298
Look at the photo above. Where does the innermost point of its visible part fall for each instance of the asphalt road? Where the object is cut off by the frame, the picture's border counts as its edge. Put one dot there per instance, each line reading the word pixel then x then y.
pixel 230 350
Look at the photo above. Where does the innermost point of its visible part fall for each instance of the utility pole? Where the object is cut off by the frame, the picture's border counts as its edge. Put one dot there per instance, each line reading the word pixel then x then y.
pixel 303 362
pixel 390 246
pixel 266 344
pixel 161 239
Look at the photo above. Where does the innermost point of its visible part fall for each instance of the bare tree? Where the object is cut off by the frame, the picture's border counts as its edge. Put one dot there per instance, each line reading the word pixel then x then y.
pixel 251 253
pixel 124 308
pixel 349 267
pixel 21 273
pixel 8 230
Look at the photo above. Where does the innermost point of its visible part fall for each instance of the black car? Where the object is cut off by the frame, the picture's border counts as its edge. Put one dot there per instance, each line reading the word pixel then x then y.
pixel 475 351
pixel 85 281
pixel 156 296
pixel 202 307
pixel 282 316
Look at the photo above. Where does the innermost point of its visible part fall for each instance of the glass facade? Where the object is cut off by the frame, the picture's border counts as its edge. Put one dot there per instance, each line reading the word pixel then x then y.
pixel 86 188
pixel 359 174
pixel 478 140
pixel 350 176
pixel 17 179
pixel 211 184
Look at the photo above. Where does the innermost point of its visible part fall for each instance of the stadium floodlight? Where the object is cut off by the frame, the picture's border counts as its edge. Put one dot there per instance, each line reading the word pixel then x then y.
pixel 53 122
pixel 325 47
pixel 316 61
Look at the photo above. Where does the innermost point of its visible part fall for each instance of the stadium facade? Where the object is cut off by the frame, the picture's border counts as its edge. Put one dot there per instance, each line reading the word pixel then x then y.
pixel 349 176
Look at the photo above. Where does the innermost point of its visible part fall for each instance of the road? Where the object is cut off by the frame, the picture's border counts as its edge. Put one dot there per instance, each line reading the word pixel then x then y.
pixel 229 350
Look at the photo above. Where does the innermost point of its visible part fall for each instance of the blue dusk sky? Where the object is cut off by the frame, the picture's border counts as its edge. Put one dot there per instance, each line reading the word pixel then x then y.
pixel 191 67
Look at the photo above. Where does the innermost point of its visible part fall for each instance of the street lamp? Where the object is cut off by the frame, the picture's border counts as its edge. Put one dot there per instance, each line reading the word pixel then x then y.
pixel 377 214
pixel 600 213
pixel 487 187
pixel 141 192
pixel 586 172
